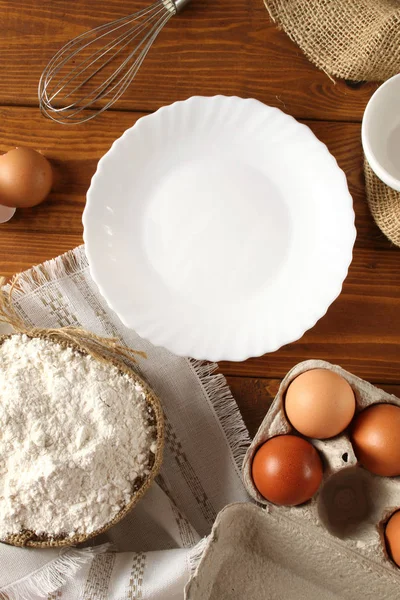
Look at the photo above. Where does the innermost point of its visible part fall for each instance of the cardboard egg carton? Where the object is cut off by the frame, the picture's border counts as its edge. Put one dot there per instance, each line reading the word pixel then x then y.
pixel 351 504
pixel 330 548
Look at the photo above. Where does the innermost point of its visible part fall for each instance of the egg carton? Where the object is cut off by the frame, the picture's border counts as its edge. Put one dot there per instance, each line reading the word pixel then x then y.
pixel 255 554
pixel 352 504
pixel 330 548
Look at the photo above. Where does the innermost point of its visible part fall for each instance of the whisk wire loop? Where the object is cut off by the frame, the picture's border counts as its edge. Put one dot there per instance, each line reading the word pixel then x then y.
pixel 93 70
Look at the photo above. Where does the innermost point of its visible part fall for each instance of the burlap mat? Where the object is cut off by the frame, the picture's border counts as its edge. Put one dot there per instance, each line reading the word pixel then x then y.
pixel 384 204
pixel 352 39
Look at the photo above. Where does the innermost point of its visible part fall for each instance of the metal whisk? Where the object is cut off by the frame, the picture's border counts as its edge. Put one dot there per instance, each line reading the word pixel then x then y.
pixel 94 69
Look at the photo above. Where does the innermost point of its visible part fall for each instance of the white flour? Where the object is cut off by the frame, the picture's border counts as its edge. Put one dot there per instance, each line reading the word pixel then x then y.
pixel 74 438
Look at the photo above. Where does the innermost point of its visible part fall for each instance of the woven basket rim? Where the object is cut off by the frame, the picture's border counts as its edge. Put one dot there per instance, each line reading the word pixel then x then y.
pixel 27 539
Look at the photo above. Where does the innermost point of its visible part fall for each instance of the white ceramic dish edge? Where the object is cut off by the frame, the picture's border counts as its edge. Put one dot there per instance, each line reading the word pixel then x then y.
pixel 217 356
pixel 370 155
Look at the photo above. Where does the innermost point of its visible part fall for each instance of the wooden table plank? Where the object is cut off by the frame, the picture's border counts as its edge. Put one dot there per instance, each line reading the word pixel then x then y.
pixel 225 47
pixel 254 397
pixel 360 331
pixel 75 151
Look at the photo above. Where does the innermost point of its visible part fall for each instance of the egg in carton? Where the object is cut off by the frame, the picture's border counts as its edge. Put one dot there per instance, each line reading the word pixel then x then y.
pixel 352 504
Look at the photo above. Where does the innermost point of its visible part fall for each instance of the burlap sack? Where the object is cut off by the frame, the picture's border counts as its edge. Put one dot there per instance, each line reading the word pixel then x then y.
pixel 384 204
pixel 352 39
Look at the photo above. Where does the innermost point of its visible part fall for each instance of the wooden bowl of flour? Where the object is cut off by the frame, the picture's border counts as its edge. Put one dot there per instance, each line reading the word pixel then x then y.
pixel 82 438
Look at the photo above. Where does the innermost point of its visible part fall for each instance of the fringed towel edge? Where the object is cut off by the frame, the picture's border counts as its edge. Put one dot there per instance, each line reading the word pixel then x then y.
pixel 52 576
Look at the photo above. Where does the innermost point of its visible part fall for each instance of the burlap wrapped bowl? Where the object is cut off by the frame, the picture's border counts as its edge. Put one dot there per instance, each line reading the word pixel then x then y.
pixel 109 352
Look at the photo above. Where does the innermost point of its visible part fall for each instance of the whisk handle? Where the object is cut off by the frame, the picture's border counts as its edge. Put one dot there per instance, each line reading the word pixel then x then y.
pixel 180 4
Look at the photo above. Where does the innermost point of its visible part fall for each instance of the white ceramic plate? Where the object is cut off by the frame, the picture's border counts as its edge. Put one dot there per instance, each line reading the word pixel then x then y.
pixel 219 228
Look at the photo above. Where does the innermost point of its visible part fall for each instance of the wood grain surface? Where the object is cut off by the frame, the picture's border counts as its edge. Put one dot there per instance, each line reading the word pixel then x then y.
pixel 214 47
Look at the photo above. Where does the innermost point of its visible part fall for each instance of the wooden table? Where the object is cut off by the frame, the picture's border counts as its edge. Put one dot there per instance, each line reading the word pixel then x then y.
pixel 214 47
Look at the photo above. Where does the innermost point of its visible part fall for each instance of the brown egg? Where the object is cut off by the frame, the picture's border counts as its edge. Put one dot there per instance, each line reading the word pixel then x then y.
pixel 320 403
pixel 376 439
pixel 287 470
pixel 392 537
pixel 26 178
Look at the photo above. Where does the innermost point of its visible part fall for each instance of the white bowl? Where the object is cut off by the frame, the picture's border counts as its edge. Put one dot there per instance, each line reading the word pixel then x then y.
pixel 219 228
pixel 380 132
